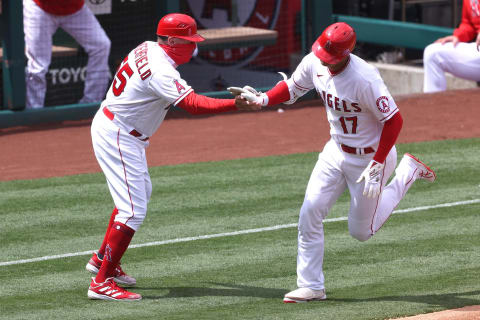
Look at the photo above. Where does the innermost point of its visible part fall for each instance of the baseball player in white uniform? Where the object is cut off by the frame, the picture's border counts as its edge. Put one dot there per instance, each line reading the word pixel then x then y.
pixel 41 18
pixel 144 88
pixel 458 54
pixel 361 156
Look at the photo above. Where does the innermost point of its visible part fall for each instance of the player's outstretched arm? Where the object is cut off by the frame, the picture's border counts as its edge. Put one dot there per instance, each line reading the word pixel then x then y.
pixel 199 104
pixel 274 96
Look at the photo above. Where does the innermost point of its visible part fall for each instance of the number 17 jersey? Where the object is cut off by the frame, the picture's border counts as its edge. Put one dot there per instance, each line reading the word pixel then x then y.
pixel 356 99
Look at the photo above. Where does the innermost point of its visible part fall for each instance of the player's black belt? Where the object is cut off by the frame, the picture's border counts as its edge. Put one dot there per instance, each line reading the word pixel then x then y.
pixel 134 132
pixel 353 150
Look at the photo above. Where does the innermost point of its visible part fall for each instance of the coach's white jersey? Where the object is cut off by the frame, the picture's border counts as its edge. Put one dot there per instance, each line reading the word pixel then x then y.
pixel 356 99
pixel 145 86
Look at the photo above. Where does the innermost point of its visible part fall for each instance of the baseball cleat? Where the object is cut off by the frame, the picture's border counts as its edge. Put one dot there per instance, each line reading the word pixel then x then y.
pixel 304 295
pixel 109 290
pixel 120 276
pixel 424 171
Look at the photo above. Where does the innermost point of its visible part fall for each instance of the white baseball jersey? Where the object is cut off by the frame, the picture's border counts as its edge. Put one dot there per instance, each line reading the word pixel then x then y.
pixel 145 86
pixel 356 100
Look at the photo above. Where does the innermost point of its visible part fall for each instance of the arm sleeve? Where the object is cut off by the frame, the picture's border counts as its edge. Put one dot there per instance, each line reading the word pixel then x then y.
pixel 390 132
pixel 466 30
pixel 278 94
pixel 198 104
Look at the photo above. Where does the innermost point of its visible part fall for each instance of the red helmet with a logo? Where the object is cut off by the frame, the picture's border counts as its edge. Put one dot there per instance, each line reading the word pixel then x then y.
pixel 335 43
pixel 179 25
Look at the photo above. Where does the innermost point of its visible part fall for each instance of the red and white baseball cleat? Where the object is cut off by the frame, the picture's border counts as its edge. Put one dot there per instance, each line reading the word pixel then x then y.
pixel 120 276
pixel 424 171
pixel 109 290
pixel 304 295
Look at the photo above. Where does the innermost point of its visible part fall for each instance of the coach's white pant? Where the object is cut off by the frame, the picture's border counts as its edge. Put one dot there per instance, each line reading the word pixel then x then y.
pixel 334 171
pixel 123 161
pixel 462 61
pixel 39 27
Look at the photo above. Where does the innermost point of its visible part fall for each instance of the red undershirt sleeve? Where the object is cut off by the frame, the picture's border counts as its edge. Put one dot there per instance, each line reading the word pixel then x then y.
pixel 390 132
pixel 278 94
pixel 198 104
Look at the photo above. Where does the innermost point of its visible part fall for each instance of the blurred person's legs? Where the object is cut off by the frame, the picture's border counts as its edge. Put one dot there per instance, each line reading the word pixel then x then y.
pixel 84 27
pixel 39 28
pixel 462 61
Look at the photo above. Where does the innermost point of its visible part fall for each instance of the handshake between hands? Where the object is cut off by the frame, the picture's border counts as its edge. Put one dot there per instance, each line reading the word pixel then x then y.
pixel 248 99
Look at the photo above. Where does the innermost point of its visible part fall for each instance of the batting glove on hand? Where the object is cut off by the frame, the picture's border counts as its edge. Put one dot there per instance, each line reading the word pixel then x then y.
pixel 236 91
pixel 373 175
pixel 250 94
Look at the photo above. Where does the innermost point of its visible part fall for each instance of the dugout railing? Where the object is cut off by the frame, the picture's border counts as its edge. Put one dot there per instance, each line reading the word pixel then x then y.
pixel 312 22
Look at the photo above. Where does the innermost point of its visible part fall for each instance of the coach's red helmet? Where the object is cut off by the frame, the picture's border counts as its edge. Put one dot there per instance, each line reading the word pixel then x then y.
pixel 335 43
pixel 179 25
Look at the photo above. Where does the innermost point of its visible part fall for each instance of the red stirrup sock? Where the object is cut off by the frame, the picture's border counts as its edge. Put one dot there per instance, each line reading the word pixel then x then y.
pixel 101 251
pixel 118 240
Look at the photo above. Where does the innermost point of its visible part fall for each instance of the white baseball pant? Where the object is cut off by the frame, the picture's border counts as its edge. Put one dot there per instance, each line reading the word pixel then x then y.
pixel 462 61
pixel 39 27
pixel 123 161
pixel 334 171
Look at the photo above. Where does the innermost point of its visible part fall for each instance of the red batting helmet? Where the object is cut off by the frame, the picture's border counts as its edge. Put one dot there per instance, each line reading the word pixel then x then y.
pixel 179 26
pixel 335 43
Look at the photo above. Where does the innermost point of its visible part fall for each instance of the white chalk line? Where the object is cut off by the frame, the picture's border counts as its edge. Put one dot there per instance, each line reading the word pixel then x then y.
pixel 228 234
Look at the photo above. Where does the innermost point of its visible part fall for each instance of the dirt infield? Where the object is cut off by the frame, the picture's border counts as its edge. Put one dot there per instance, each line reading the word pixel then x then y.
pixel 465 313
pixel 65 149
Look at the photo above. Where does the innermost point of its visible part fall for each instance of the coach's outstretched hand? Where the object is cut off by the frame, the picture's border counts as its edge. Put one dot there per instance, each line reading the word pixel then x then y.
pixel 245 105
pixel 249 98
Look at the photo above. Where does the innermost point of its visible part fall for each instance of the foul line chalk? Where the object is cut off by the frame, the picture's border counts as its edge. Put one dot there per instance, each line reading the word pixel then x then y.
pixel 229 234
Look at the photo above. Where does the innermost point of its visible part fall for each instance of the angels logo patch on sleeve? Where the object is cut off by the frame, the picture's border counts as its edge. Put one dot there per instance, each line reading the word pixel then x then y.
pixel 383 105
pixel 179 86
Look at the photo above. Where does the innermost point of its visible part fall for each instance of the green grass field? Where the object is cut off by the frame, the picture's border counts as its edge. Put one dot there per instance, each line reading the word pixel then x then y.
pixel 421 261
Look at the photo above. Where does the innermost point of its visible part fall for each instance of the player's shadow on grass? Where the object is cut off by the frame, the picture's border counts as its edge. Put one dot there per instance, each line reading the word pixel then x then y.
pixel 228 290
pixel 447 300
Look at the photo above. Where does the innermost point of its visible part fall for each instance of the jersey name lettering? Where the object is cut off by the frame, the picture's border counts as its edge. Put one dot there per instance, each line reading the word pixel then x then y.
pixel 141 61
pixel 339 104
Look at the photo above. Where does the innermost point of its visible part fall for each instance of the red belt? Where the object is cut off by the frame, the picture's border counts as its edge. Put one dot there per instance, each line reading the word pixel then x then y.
pixel 134 132
pixel 353 150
